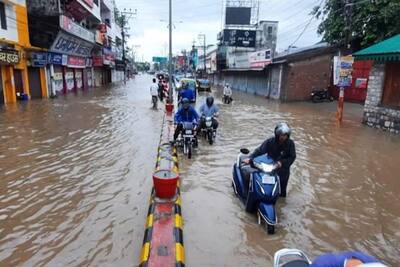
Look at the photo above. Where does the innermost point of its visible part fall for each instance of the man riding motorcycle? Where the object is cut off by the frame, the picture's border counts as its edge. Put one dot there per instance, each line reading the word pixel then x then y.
pixel 209 109
pixel 281 149
pixel 184 114
pixel 186 92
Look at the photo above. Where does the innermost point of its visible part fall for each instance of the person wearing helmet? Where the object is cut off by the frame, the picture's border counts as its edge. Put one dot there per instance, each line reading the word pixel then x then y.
pixel 186 92
pixel 184 114
pixel 209 109
pixel 282 150
pixel 346 259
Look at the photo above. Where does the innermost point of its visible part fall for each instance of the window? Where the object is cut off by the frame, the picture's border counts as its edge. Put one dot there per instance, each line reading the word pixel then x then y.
pixel 391 91
pixel 269 31
pixel 3 19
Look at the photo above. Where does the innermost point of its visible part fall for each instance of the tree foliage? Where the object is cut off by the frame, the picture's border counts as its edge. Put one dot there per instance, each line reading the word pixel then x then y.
pixel 361 22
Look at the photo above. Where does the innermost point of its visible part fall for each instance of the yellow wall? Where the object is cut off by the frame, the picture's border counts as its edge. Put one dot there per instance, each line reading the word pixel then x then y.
pixel 22 26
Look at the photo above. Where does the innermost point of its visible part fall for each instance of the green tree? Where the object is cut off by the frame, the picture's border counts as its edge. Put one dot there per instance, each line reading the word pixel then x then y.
pixel 360 22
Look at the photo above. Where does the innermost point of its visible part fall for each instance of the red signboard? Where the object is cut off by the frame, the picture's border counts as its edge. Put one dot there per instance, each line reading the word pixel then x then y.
pixel 97 61
pixel 77 62
pixel 89 2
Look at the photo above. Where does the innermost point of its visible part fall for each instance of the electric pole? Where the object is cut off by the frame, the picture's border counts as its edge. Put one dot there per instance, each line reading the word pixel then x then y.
pixel 126 15
pixel 170 54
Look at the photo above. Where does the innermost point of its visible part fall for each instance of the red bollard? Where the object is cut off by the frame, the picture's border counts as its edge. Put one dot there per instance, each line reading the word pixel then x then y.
pixel 165 183
pixel 169 107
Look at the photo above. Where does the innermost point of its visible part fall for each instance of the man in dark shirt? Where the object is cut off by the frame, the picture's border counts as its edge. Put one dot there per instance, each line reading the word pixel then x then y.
pixel 282 150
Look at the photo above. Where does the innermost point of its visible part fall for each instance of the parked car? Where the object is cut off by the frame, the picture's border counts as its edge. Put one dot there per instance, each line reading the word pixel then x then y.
pixel 203 85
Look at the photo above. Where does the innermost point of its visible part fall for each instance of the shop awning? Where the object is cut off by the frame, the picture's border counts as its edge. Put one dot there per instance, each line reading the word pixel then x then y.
pixel 388 50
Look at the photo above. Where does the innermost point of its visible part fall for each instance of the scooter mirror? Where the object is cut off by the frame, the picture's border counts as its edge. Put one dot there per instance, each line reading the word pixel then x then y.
pixel 244 151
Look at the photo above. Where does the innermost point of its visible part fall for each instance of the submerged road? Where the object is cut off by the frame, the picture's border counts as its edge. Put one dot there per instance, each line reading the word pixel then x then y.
pixel 76 177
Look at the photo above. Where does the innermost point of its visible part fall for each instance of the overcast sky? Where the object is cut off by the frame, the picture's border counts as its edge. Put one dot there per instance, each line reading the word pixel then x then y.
pixel 149 32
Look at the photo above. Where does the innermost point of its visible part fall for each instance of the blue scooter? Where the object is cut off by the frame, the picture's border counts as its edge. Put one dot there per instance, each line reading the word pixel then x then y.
pixel 263 190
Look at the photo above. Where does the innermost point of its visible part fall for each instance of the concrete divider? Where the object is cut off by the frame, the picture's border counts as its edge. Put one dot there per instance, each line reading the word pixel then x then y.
pixel 163 237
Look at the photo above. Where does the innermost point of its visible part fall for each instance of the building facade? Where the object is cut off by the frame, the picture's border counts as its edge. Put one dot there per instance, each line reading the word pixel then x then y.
pixel 382 106
pixel 20 78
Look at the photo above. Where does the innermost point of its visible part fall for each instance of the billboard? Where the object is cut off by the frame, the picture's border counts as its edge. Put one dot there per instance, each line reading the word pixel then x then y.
pixel 260 59
pixel 239 38
pixel 237 16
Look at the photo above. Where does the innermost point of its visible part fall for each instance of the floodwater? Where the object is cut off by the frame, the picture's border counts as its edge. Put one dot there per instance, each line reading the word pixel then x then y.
pixel 76 177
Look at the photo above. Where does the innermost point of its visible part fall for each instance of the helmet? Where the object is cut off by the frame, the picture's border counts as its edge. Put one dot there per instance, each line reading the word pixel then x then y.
pixel 185 103
pixel 210 101
pixel 282 128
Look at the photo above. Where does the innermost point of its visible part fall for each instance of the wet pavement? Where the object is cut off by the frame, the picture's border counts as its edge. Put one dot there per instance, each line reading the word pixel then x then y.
pixel 76 177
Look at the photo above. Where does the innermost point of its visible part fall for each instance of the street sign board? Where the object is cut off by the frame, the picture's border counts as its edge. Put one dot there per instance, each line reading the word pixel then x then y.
pixel 160 60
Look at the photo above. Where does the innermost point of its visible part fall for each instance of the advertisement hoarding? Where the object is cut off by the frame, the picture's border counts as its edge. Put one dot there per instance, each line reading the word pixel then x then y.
pixel 239 38
pixel 260 59
pixel 237 15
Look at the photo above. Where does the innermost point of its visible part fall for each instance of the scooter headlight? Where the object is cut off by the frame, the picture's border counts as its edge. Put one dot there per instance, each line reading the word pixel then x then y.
pixel 188 131
pixel 208 123
pixel 265 167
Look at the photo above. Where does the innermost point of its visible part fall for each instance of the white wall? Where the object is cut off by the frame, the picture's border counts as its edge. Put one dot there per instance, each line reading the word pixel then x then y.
pixel 11 33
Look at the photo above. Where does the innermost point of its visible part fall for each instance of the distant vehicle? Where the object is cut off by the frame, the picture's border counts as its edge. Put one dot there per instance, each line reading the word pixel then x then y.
pixel 321 96
pixel 203 85
pixel 151 72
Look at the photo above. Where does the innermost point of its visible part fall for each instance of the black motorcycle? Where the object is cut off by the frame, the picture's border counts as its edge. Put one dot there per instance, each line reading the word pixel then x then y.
pixel 318 96
pixel 208 131
pixel 187 140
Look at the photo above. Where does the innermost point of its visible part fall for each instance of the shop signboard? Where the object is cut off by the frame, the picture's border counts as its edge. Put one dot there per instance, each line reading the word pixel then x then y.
pixel 260 59
pixel 97 61
pixel 343 67
pixel 75 29
pixel 54 58
pixel 66 44
pixel 38 59
pixel 108 57
pixel 9 56
pixel 76 62
pixel 119 65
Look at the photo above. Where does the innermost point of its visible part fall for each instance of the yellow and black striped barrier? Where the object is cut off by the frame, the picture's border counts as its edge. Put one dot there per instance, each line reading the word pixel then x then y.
pixel 163 237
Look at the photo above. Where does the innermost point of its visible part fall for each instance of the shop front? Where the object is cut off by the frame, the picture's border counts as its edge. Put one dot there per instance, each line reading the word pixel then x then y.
pixel 37 74
pixel 12 75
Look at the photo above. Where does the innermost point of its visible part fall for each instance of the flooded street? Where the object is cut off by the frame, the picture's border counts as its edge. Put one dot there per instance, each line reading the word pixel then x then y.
pixel 76 177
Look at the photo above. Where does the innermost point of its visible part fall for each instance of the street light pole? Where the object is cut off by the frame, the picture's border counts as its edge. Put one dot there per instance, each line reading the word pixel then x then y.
pixel 170 54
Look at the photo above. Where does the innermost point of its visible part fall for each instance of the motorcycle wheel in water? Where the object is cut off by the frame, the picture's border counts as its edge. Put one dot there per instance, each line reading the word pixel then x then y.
pixel 208 131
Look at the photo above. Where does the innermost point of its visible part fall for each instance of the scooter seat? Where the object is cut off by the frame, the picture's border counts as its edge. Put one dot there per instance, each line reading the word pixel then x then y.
pixel 297 263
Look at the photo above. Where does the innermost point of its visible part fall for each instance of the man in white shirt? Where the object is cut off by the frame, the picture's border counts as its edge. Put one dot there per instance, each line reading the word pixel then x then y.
pixel 154 93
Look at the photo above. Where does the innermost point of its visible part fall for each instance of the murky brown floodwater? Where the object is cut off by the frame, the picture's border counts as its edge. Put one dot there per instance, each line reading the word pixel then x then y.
pixel 76 176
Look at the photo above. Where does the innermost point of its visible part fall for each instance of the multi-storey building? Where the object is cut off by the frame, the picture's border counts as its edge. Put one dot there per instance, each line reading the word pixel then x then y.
pixel 20 77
